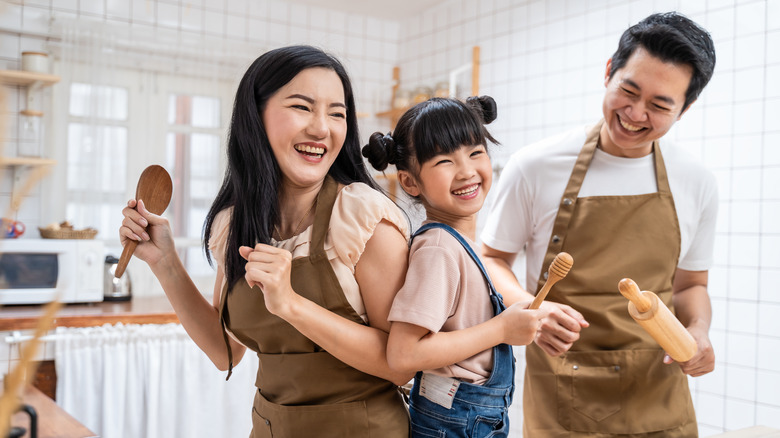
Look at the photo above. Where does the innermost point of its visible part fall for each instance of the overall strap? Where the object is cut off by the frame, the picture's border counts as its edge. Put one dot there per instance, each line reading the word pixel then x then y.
pixel 465 245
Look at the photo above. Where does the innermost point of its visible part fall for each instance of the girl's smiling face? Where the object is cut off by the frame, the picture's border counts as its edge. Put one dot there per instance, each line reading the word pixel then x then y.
pixel 306 125
pixel 452 186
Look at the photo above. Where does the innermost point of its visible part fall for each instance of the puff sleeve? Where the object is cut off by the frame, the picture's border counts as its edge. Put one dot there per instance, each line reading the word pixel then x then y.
pixel 356 214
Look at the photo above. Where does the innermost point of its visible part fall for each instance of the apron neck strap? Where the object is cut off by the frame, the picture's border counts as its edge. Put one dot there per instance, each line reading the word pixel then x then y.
pixel 322 212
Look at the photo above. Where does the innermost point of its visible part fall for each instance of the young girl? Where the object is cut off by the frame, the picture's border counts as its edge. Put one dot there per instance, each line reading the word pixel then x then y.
pixel 447 319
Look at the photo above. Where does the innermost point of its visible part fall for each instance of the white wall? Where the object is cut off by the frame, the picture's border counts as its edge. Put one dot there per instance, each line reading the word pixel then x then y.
pixel 367 46
pixel 543 61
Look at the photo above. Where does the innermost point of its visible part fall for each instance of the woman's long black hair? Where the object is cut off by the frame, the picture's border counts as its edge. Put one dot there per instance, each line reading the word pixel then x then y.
pixel 251 183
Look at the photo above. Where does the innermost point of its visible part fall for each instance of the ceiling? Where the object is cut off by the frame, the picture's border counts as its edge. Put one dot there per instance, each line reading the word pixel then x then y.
pixel 389 9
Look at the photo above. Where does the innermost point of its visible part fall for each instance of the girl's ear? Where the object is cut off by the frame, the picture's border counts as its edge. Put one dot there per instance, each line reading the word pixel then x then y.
pixel 408 183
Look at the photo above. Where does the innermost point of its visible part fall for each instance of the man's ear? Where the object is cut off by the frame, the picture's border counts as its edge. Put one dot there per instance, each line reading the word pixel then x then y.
pixel 408 183
pixel 608 70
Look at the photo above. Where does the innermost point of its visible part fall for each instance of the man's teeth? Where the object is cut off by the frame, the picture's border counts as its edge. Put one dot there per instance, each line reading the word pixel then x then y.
pixel 629 127
pixel 466 191
pixel 310 149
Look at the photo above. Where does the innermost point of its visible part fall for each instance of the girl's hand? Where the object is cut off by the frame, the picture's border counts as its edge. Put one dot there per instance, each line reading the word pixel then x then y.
pixel 521 325
pixel 151 232
pixel 269 268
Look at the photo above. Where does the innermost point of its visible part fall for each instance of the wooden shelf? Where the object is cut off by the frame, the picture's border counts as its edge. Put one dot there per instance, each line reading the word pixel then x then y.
pixel 26 161
pixel 396 113
pixel 32 81
pixel 25 78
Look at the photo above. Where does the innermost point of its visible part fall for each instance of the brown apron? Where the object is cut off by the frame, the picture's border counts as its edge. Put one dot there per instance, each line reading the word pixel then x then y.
pixel 612 381
pixel 302 389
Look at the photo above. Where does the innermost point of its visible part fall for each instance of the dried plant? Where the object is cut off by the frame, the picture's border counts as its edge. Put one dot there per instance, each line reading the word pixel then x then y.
pixel 21 374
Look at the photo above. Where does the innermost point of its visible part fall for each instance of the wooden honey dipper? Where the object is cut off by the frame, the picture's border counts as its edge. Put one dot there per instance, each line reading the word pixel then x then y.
pixel 558 269
pixel 154 188
pixel 657 320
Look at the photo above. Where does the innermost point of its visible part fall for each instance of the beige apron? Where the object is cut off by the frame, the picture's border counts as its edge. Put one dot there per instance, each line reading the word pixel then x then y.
pixel 303 390
pixel 612 381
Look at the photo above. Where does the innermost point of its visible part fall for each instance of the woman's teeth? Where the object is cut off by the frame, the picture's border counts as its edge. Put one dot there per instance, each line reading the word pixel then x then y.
pixel 629 126
pixel 309 149
pixel 466 190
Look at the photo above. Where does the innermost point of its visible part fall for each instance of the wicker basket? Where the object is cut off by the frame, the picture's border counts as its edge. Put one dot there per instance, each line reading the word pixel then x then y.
pixel 65 233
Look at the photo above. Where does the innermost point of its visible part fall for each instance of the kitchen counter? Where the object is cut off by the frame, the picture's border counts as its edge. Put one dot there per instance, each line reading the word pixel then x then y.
pixel 139 310
pixel 53 422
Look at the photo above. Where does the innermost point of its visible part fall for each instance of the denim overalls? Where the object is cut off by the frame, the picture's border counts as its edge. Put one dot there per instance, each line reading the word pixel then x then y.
pixel 477 410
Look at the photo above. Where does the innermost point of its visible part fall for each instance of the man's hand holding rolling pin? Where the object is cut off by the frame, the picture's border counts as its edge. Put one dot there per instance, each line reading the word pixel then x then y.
pixel 693 309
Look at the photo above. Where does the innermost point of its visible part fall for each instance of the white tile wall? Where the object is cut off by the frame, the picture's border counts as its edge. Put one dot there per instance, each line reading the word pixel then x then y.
pixel 554 54
pixel 543 61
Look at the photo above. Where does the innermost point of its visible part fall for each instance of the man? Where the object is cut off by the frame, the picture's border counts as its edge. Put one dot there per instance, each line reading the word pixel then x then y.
pixel 625 204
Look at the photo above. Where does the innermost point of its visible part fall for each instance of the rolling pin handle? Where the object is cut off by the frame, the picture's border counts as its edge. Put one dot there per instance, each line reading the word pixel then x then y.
pixel 630 290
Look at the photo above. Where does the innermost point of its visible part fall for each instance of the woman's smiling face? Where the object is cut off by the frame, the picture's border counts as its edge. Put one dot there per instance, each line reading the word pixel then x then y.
pixel 643 101
pixel 306 124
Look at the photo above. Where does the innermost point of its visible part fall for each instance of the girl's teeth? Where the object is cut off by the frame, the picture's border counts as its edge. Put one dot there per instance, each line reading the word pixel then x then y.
pixel 466 191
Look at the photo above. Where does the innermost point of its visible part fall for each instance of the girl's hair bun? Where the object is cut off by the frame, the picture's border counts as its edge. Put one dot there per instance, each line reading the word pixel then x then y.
pixel 485 106
pixel 380 151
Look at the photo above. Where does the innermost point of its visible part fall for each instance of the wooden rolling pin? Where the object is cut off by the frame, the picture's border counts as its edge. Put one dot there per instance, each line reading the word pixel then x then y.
pixel 154 188
pixel 657 320
pixel 558 269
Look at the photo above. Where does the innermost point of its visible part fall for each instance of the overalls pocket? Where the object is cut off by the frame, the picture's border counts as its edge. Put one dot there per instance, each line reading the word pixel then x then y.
pixel 490 426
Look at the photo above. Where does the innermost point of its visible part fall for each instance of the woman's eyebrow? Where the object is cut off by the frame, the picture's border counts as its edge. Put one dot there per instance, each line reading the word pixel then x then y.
pixel 311 101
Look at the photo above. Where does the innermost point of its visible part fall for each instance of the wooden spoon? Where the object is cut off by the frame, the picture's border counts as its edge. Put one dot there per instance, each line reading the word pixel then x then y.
pixel 154 188
pixel 558 269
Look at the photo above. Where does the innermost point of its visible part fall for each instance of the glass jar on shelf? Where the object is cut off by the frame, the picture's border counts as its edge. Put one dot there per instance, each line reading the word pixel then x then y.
pixel 442 89
pixel 422 93
pixel 402 98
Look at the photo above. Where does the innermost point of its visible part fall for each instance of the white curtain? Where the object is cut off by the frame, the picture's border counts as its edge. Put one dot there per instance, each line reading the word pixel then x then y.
pixel 134 381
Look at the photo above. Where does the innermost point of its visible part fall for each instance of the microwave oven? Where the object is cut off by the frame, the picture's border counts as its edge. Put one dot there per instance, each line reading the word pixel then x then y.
pixel 35 271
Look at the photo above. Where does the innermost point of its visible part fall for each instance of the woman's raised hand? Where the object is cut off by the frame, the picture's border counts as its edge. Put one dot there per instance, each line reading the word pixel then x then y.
pixel 269 268
pixel 152 232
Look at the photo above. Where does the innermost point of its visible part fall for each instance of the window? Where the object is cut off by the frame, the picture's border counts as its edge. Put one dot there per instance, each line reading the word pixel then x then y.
pixel 96 156
pixel 114 131
pixel 193 151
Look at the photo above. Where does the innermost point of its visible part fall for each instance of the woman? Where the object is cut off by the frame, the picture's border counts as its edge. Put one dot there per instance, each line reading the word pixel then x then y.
pixel 308 255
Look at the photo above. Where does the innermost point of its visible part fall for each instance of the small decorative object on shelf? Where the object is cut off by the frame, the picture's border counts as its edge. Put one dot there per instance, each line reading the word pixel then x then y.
pixel 37 62
pixel 64 230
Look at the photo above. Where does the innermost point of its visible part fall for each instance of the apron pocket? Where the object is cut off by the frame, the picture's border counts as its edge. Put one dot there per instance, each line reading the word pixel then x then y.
pixel 323 421
pixel 261 427
pixel 621 392
pixel 595 390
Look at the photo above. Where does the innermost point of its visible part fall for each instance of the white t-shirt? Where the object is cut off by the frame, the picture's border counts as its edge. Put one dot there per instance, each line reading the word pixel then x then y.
pixel 529 192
